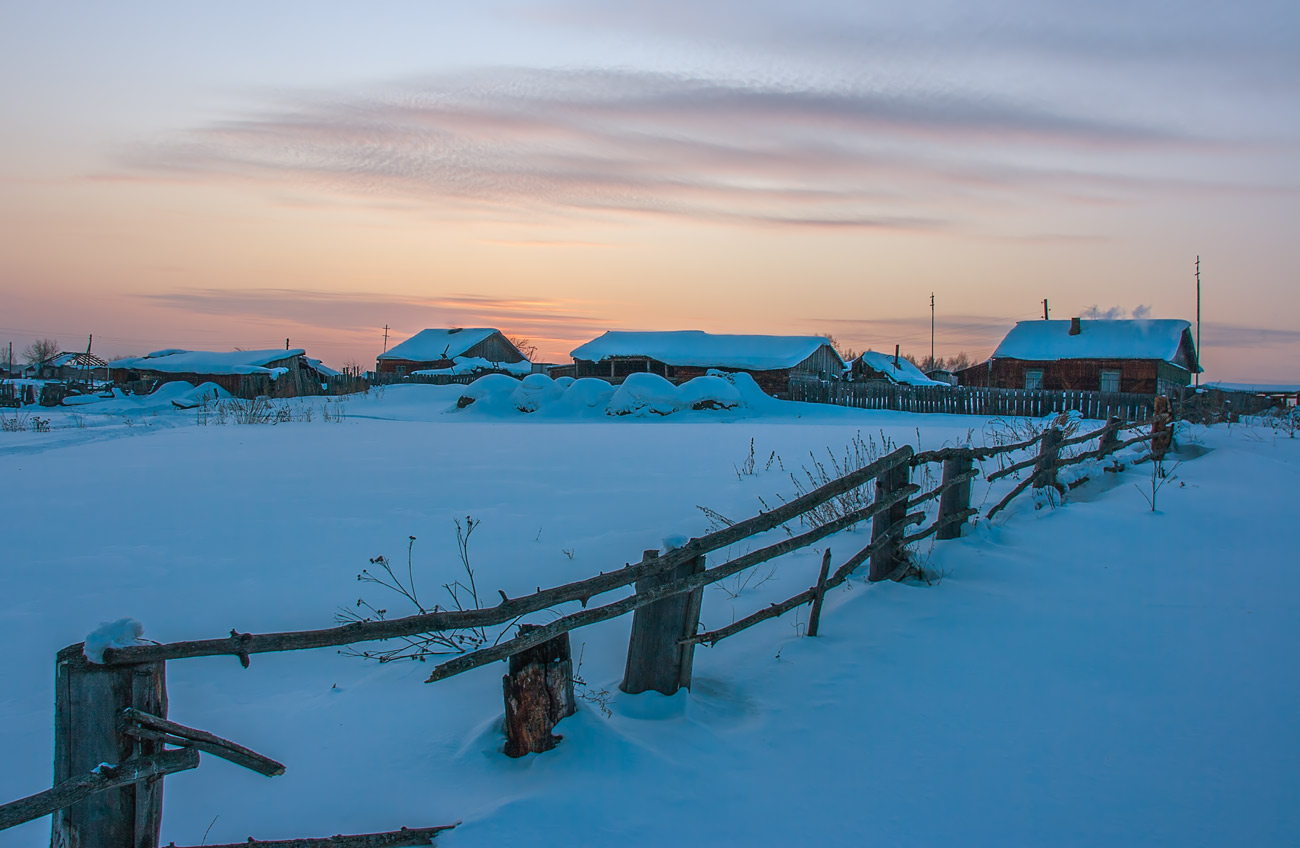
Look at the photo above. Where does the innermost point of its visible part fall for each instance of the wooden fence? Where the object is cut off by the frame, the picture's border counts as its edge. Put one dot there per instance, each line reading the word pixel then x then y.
pixel 115 712
pixel 972 400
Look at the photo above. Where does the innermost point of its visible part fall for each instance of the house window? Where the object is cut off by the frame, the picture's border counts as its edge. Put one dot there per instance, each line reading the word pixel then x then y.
pixel 401 370
pixel 1033 378
pixel 1110 381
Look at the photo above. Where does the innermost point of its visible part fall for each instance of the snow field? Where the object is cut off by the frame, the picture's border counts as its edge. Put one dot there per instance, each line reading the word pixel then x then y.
pixel 1084 675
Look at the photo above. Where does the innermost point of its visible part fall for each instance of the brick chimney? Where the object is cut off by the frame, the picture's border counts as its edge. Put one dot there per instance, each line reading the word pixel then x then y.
pixel 1075 328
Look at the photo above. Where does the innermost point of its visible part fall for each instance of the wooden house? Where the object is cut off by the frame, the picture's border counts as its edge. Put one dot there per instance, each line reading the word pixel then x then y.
pixel 243 373
pixel 453 352
pixel 1144 356
pixel 680 355
pixel 888 368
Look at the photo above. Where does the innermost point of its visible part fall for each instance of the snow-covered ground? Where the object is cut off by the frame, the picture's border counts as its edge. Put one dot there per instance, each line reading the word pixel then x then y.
pixel 1090 674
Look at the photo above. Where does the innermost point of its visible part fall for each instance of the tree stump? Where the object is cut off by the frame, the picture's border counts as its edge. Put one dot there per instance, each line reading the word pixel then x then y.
pixel 88 704
pixel 538 693
pixel 656 659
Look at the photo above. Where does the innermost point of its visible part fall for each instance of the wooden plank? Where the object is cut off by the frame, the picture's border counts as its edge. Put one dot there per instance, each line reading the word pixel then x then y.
pixel 89 700
pixel 404 838
pixel 656 657
pixel 102 778
pixel 819 595
pixel 178 734
pixel 888 484
pixel 957 475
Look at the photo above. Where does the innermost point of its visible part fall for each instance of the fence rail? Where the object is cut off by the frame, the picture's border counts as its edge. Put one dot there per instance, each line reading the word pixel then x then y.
pixel 973 400
pixel 117 710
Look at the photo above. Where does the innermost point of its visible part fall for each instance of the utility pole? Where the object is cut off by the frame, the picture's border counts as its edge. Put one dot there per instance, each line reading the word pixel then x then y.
pixel 932 364
pixel 1198 318
pixel 1044 309
pixel 385 338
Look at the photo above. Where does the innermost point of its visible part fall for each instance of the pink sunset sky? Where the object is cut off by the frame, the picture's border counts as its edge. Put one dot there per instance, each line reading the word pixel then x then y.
pixel 211 176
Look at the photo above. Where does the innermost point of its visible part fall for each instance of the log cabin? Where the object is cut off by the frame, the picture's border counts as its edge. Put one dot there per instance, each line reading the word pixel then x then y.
pixel 1143 356
pixel 460 350
pixel 681 355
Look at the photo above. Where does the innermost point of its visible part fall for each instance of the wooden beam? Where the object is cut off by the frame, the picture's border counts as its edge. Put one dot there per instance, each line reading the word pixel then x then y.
pixel 407 836
pixel 104 777
pixel 178 734
pixel 465 662
pixel 243 644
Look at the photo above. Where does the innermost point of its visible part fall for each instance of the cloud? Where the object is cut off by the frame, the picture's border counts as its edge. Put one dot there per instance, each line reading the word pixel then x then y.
pixel 514 144
pixel 544 320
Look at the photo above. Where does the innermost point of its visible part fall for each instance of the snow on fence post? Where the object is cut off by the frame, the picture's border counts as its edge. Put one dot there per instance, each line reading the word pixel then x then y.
pixel 88 730
pixel 538 693
pixel 955 497
pixel 656 659
pixel 886 560
pixel 1048 449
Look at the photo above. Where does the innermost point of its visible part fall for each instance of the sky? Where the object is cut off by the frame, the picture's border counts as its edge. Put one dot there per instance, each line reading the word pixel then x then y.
pixel 211 176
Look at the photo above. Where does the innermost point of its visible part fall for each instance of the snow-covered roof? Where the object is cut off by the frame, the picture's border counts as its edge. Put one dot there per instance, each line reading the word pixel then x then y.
pixel 321 368
pixel 1097 339
pixel 173 361
pixel 705 350
pixel 434 345
pixel 474 364
pixel 906 372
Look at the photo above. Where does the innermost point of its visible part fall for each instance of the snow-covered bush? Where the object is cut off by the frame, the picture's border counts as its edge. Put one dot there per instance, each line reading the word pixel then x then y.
pixel 535 391
pixel 644 394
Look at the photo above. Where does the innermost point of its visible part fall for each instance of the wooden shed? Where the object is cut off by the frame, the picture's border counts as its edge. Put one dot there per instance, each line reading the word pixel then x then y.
pixel 889 368
pixel 243 373
pixel 680 355
pixel 1143 356
pixel 456 351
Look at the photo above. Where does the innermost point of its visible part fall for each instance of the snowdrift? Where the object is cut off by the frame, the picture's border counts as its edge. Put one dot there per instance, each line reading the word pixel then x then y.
pixel 639 396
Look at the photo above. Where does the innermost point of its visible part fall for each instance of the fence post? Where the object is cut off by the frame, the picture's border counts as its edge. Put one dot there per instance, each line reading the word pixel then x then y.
pixel 890 556
pixel 955 498
pixel 88 704
pixel 1048 448
pixel 819 594
pixel 655 658
pixel 1110 438
pixel 538 693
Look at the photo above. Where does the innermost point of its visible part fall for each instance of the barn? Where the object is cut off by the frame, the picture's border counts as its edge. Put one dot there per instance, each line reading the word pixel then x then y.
pixel 243 373
pixel 680 355
pixel 1143 356
pixel 461 350
pixel 889 368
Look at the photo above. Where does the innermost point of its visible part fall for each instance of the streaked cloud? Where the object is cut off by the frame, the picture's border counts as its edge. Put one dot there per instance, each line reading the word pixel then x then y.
pixel 515 144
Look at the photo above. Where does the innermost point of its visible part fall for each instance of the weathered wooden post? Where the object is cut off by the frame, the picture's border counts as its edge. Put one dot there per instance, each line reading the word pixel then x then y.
pixel 819 594
pixel 955 498
pixel 538 693
pixel 1162 429
pixel 1110 437
pixel 655 658
pixel 89 700
pixel 1048 449
pixel 891 556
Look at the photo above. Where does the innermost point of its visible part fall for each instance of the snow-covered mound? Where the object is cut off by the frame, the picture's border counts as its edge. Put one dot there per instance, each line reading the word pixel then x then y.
pixel 640 395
